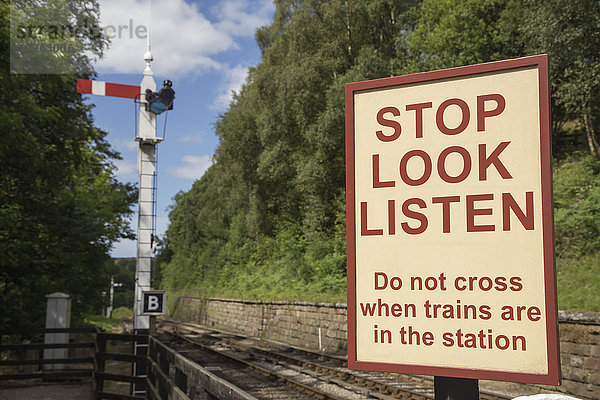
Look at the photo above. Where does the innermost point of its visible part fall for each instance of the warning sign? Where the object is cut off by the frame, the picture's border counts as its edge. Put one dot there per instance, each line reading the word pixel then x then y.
pixel 449 223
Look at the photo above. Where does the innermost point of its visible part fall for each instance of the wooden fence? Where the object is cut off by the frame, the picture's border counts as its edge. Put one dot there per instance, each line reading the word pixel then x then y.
pixel 102 355
pixel 170 376
pixel 32 358
pixel 91 367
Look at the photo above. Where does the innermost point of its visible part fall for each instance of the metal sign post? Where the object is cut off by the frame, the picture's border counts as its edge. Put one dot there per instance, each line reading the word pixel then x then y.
pixel 446 388
pixel 111 294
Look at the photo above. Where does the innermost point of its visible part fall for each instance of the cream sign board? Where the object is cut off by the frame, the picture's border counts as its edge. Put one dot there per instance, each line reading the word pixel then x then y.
pixel 449 223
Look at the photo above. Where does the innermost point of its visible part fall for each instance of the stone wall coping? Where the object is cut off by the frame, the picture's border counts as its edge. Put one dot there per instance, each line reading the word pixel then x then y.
pixel 587 318
pixel 280 302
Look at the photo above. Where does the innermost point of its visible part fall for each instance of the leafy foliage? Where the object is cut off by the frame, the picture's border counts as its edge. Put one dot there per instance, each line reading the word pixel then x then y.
pixel 123 271
pixel 448 33
pixel 268 218
pixel 577 206
pixel 568 32
pixel 578 283
pixel 60 204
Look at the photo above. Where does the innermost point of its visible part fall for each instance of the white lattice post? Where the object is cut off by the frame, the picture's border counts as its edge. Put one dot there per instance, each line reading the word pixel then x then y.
pixel 146 165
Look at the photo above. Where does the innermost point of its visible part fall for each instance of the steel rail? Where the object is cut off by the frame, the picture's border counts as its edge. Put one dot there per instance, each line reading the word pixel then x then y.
pixel 418 383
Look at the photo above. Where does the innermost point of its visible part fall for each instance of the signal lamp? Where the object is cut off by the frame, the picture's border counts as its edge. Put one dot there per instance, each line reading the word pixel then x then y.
pixel 162 101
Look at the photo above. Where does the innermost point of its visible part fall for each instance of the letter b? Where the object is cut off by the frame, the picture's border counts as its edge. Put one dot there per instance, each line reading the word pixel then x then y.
pixel 153 303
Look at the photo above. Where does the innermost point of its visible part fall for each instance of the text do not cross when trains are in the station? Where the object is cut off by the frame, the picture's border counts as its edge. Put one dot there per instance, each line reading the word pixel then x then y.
pixel 450 259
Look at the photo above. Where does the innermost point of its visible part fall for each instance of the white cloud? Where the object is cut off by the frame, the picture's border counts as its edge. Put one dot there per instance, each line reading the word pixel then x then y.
pixel 183 39
pixel 126 170
pixel 232 82
pixel 242 17
pixel 192 138
pixel 123 145
pixel 193 167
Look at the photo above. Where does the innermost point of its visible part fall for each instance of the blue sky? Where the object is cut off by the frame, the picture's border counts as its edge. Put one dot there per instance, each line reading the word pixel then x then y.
pixel 205 48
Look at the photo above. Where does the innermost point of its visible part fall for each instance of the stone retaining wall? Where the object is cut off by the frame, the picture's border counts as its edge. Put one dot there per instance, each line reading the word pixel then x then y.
pixel 295 323
pixel 323 326
pixel 579 335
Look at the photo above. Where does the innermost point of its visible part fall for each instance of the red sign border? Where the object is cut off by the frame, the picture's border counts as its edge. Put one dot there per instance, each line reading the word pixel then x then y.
pixel 552 347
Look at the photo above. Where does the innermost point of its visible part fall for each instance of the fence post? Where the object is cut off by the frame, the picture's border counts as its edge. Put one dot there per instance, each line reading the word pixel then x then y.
pixel 99 362
pixel 58 315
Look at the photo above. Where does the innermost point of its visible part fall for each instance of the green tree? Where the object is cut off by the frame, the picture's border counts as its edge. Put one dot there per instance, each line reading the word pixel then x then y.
pixel 123 271
pixel 268 218
pixel 61 207
pixel 448 33
pixel 272 204
pixel 568 32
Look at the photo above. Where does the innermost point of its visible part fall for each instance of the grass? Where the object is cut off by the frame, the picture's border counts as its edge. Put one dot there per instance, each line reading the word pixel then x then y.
pixel 578 283
pixel 122 313
pixel 578 288
pixel 111 325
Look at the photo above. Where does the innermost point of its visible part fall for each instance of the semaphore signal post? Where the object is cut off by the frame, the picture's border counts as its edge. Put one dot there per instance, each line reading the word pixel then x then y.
pixel 146 167
pixel 449 226
pixel 151 104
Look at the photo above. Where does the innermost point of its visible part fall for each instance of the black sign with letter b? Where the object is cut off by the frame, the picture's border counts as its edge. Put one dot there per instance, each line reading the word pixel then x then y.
pixel 154 302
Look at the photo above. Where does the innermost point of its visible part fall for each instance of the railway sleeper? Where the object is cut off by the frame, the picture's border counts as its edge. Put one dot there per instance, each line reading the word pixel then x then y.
pixel 395 388
pixel 308 365
pixel 383 388
pixel 359 380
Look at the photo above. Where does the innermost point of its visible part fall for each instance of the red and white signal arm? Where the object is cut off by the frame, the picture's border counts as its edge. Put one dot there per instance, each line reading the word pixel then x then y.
pixel 154 302
pixel 449 223
pixel 100 88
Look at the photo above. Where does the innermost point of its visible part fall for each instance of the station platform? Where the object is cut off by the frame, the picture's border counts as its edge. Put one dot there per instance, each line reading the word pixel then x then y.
pixel 75 391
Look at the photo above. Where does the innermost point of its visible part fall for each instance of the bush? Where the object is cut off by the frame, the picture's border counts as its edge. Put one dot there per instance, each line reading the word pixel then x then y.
pixel 577 206
pixel 122 313
pixel 578 283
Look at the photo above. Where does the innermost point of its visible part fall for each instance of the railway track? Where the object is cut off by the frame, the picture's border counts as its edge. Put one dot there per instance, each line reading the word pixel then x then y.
pixel 271 370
